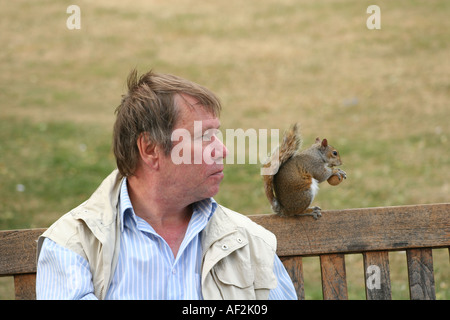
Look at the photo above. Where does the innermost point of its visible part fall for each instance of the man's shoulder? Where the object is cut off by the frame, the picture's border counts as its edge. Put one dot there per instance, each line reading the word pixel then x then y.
pixel 64 232
pixel 98 210
pixel 254 229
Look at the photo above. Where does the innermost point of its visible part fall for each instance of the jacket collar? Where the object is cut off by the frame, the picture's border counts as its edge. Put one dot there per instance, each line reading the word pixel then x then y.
pixel 100 211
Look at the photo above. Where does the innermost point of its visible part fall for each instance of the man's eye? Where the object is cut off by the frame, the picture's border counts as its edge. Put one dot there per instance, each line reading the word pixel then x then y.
pixel 208 134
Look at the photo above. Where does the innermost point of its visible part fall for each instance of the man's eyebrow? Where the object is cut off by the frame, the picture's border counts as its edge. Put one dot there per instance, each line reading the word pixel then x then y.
pixel 209 128
pixel 212 127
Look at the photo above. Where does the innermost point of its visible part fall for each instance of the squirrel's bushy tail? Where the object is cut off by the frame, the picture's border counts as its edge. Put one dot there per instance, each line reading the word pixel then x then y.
pixel 291 144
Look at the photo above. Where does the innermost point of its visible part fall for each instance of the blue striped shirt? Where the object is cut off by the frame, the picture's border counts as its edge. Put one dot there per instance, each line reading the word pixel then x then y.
pixel 147 268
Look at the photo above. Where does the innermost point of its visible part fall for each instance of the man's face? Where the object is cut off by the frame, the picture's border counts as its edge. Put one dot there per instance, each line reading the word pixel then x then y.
pixel 194 169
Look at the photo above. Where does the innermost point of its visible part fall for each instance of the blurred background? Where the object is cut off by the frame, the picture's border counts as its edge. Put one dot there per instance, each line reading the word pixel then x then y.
pixel 382 97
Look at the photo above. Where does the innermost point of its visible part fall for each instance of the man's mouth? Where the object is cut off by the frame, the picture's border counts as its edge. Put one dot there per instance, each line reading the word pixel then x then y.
pixel 218 172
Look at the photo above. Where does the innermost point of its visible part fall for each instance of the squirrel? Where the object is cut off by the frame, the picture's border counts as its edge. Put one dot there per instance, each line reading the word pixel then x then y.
pixel 292 188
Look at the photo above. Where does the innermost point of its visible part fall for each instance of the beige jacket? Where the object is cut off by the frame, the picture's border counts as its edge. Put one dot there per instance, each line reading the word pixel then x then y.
pixel 238 255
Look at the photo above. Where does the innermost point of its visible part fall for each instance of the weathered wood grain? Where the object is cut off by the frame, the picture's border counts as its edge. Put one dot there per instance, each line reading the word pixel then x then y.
pixel 18 251
pixel 25 286
pixel 334 277
pixel 420 274
pixel 361 230
pixel 294 267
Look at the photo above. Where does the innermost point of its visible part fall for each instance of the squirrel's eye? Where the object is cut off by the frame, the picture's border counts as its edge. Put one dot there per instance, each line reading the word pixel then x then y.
pixel 335 153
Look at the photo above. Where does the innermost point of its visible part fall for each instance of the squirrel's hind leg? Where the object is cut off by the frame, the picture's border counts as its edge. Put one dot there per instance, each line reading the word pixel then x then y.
pixel 316 212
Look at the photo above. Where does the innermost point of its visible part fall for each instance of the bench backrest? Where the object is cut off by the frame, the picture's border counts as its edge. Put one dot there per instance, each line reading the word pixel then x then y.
pixel 373 232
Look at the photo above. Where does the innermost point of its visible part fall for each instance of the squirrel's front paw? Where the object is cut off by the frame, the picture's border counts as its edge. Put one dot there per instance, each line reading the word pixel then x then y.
pixel 341 174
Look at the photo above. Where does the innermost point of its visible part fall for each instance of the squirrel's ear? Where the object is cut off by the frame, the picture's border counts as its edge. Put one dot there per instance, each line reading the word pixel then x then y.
pixel 324 143
pixel 317 140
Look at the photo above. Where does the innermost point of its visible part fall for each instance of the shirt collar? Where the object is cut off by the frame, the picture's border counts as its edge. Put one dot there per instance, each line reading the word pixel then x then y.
pixel 205 207
pixel 125 206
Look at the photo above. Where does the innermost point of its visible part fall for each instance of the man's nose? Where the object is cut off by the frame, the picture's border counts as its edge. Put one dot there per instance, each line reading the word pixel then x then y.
pixel 220 151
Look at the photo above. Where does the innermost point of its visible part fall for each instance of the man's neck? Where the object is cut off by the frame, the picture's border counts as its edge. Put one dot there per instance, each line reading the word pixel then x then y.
pixel 168 218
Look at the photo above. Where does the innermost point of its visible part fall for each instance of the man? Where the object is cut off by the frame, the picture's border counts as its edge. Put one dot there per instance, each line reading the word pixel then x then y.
pixel 152 229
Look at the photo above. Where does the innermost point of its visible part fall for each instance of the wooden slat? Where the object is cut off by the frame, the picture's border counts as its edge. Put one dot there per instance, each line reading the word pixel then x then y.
pixel 18 251
pixel 25 286
pixel 420 274
pixel 377 275
pixel 360 230
pixel 294 267
pixel 334 279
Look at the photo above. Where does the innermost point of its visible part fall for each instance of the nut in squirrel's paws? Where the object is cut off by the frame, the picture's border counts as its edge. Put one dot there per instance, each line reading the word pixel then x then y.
pixel 337 178
pixel 334 180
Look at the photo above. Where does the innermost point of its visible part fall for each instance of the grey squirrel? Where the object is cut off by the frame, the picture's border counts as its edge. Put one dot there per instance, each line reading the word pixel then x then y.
pixel 292 189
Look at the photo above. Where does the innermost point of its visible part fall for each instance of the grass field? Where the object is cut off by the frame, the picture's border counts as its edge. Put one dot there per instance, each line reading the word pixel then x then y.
pixel 380 96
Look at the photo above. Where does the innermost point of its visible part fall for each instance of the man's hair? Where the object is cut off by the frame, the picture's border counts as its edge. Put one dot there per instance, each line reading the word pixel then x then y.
pixel 149 108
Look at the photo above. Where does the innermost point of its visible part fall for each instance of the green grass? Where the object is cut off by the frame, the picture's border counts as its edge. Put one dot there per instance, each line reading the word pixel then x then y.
pixel 380 96
pixel 48 168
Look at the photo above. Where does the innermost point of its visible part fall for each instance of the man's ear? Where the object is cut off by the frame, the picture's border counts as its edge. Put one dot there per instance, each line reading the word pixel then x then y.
pixel 148 151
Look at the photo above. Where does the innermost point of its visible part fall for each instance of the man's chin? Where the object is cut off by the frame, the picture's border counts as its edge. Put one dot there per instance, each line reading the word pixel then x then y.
pixel 213 190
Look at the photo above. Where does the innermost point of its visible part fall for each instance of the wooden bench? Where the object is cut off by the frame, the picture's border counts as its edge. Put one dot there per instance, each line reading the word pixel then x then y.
pixel 372 232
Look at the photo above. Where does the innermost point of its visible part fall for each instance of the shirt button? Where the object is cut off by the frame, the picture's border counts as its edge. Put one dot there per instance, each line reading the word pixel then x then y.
pixel 174 271
pixel 239 240
pixel 224 247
